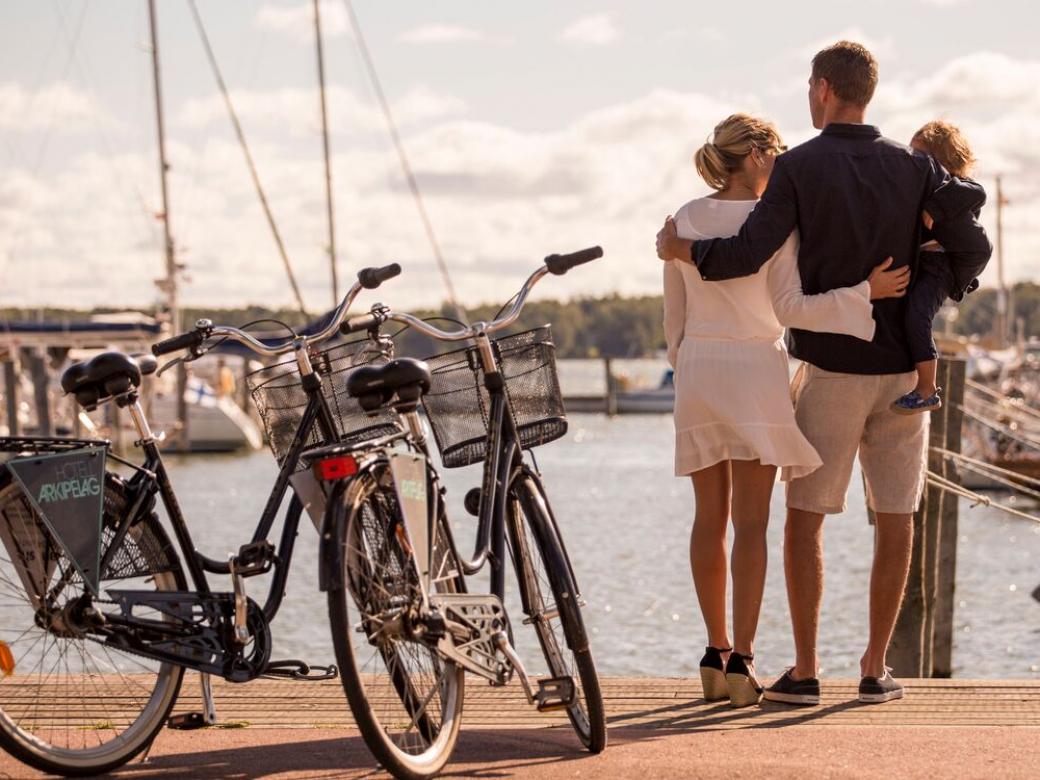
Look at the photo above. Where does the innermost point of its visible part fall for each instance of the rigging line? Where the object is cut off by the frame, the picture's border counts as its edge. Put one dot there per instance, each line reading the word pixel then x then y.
pixel 1003 430
pixel 325 147
pixel 248 155
pixel 406 167
pixel 941 483
pixel 122 180
pixel 1001 397
pixel 980 465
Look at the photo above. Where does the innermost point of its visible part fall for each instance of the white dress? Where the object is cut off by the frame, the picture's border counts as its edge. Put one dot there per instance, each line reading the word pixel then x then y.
pixel 725 342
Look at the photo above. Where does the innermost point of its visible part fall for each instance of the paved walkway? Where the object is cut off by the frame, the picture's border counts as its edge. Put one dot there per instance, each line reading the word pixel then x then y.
pixel 659 729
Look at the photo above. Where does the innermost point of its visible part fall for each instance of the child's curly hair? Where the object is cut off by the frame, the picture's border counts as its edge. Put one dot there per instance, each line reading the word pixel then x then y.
pixel 947 144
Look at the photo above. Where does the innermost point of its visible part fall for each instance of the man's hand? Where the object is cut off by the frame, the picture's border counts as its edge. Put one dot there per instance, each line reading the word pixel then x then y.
pixel 669 245
pixel 926 218
pixel 888 284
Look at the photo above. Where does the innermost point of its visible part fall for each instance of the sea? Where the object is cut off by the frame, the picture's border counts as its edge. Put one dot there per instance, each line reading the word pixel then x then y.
pixel 626 521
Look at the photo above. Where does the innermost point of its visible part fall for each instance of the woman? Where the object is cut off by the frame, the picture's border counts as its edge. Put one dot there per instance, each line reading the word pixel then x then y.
pixel 734 421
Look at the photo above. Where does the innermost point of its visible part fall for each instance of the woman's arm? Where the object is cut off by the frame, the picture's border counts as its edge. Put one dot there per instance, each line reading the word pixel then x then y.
pixel 674 309
pixel 844 310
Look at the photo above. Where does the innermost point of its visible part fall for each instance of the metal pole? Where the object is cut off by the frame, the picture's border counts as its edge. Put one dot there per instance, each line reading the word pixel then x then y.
pixel 169 284
pixel 325 147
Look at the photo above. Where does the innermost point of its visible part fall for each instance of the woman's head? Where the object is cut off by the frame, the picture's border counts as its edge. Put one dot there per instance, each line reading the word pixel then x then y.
pixel 945 142
pixel 741 150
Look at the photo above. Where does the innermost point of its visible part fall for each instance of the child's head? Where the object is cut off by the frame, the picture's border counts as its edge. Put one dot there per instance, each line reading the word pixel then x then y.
pixel 945 142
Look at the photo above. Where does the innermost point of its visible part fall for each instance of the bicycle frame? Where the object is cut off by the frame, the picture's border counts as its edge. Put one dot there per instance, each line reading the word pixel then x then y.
pixel 152 478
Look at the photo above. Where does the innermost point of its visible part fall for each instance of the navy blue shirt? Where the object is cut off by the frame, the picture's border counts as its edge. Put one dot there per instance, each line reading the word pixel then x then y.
pixel 856 198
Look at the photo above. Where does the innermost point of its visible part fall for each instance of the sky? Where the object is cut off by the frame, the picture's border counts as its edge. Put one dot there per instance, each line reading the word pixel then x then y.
pixel 532 127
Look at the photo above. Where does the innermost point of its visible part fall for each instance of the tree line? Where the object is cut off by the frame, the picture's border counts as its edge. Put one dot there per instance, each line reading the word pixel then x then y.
pixel 610 326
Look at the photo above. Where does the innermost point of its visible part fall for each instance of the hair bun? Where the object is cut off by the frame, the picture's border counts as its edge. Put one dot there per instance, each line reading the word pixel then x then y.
pixel 711 165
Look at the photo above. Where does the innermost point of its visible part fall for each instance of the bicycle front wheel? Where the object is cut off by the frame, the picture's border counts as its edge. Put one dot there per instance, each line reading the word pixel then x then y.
pixel 72 704
pixel 405 698
pixel 549 597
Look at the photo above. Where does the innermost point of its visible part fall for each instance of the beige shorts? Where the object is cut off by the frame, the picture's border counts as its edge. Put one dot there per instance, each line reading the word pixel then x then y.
pixel 841 414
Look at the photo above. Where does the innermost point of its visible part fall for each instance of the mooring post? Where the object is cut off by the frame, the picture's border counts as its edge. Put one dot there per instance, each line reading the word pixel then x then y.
pixel 11 393
pixel 611 397
pixel 41 396
pixel 910 651
pixel 937 501
pixel 946 577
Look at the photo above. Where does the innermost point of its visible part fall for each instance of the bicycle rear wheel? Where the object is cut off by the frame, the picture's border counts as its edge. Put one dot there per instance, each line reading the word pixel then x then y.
pixel 73 705
pixel 549 597
pixel 405 698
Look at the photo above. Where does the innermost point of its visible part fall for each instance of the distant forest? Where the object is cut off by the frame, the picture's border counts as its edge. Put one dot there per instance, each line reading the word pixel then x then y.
pixel 611 326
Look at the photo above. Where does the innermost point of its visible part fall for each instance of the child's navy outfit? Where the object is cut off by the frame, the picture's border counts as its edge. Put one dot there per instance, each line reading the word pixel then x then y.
pixel 939 275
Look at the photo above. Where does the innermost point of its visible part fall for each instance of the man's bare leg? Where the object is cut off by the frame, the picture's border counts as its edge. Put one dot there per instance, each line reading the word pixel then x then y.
pixel 803 570
pixel 894 541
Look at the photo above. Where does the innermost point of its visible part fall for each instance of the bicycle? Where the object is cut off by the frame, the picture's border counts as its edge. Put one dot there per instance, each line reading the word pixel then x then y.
pixel 405 628
pixel 100 612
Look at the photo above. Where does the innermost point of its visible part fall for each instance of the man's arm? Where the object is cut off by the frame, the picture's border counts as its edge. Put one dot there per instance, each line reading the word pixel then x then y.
pixel 762 234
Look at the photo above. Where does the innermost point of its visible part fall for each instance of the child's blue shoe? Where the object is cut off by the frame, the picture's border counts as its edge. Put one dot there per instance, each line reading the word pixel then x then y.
pixel 914 403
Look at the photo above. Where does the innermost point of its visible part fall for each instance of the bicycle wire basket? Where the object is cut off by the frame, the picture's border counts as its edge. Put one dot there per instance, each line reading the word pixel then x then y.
pixel 458 404
pixel 278 393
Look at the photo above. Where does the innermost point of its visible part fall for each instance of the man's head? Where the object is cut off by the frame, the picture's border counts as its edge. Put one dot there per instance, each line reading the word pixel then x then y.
pixel 842 83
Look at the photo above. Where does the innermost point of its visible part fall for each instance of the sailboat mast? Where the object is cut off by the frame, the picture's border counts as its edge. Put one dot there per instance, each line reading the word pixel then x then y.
pixel 325 145
pixel 169 284
pixel 1005 314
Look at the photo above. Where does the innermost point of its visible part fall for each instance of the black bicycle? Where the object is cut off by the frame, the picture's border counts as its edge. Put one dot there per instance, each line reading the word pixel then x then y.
pixel 404 625
pixel 100 611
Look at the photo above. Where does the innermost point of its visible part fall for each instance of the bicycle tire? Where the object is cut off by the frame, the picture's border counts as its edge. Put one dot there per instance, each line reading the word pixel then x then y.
pixel 147 540
pixel 371 691
pixel 532 532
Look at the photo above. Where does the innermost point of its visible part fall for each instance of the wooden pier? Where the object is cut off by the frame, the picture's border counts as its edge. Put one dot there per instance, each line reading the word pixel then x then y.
pixel 659 728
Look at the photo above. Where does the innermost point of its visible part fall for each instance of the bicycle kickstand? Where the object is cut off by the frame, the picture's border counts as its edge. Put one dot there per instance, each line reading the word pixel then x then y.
pixel 197 720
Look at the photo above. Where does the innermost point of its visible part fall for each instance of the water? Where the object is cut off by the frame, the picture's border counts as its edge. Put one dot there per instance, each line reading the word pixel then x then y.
pixel 626 521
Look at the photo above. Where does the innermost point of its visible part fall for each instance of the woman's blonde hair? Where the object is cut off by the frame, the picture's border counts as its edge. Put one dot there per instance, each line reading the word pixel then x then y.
pixel 947 144
pixel 733 139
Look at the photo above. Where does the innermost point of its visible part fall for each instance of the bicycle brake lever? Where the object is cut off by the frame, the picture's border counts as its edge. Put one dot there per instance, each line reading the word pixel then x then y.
pixel 171 364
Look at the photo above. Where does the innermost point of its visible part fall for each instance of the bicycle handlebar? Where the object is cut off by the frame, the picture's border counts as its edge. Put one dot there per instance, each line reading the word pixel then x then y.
pixel 561 264
pixel 554 264
pixel 369 278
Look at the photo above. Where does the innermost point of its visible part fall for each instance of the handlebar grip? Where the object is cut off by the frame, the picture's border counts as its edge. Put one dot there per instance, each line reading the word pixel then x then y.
pixel 371 278
pixel 184 341
pixel 362 322
pixel 561 264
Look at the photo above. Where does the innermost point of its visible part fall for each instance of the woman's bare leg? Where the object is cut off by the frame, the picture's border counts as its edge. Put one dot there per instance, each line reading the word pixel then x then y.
pixel 708 560
pixel 752 489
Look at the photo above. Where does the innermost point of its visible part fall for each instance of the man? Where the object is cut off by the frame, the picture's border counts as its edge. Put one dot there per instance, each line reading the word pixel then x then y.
pixel 855 198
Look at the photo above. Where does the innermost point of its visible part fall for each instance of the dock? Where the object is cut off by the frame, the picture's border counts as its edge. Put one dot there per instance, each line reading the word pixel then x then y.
pixel 659 727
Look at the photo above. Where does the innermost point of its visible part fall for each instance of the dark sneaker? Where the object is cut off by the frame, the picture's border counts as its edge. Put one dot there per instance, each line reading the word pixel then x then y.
pixel 791 691
pixel 713 675
pixel 914 403
pixel 875 690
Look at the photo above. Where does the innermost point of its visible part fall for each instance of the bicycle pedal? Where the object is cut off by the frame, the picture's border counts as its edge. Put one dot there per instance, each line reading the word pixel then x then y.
pixel 187 721
pixel 555 693
pixel 253 559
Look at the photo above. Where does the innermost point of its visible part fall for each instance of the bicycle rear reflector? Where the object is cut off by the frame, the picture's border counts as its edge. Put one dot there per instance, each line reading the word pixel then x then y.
pixel 68 491
pixel 6 660
pixel 335 468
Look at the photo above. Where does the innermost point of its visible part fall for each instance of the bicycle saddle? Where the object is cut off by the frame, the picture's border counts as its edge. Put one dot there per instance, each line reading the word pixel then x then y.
pixel 105 375
pixel 374 386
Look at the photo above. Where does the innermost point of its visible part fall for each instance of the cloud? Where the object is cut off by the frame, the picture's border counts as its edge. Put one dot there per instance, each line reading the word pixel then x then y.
pixel 296 109
pixel 446 33
pixel 499 197
pixel 882 48
pixel 595 30
pixel 58 105
pixel 297 21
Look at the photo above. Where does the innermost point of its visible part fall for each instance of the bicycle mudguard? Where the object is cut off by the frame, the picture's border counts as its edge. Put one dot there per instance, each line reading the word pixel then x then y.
pixel 67 490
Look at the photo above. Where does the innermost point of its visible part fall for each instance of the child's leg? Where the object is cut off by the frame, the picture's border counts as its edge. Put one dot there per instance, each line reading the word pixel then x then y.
pixel 926 370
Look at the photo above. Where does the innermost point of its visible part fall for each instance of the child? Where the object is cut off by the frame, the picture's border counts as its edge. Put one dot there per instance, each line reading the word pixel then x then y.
pixel 937 276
